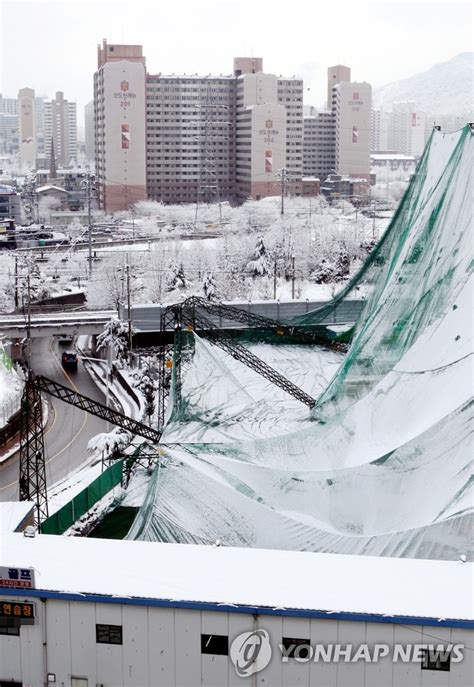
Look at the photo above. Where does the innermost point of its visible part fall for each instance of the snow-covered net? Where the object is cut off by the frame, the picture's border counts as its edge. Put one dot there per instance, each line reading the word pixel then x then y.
pixel 382 465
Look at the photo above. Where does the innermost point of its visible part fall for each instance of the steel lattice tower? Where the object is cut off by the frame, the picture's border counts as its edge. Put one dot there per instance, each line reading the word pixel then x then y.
pixel 32 462
pixel 210 126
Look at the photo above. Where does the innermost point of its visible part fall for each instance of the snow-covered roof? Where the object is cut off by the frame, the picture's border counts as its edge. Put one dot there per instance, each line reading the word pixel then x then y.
pixel 291 580
pixel 13 514
pixel 50 187
pixel 7 189
pixel 191 76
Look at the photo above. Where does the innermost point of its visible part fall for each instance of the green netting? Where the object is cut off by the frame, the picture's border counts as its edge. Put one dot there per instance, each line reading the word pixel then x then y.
pixel 409 274
pixel 66 516
pixel 384 465
pixel 115 524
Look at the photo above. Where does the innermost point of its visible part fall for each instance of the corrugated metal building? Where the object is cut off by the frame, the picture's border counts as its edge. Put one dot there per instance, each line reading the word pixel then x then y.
pixel 105 612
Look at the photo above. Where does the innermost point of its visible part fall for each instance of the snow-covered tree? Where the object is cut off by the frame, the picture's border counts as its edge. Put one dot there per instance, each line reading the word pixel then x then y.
pixel 108 443
pixel 176 278
pixel 39 288
pixel 146 381
pixel 259 265
pixel 115 334
pixel 209 288
pixel 46 206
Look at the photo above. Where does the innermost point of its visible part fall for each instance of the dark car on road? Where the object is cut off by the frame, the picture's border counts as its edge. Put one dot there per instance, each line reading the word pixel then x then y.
pixel 69 360
pixel 64 339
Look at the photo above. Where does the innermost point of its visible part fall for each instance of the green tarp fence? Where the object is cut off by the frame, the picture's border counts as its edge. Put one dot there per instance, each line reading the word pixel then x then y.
pixel 66 516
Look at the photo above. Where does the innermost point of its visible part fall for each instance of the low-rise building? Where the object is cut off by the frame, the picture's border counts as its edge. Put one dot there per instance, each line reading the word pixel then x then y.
pixel 311 186
pixel 10 204
pixel 54 193
pixel 83 612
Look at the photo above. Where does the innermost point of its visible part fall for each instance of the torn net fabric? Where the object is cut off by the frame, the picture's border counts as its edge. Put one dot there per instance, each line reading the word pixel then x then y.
pixel 382 465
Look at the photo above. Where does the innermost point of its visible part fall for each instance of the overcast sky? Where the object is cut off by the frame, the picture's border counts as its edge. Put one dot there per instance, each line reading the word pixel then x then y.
pixel 51 46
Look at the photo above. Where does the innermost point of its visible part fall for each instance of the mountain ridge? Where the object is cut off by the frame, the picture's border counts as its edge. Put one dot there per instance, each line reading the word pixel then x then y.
pixel 444 88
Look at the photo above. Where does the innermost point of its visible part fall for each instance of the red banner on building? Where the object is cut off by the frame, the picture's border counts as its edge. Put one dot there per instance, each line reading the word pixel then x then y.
pixel 268 161
pixel 125 136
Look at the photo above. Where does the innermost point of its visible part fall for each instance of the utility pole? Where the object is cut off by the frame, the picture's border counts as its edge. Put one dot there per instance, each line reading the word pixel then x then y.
pixel 88 184
pixel 293 277
pixel 28 325
pixel 275 279
pixel 16 282
pixel 283 175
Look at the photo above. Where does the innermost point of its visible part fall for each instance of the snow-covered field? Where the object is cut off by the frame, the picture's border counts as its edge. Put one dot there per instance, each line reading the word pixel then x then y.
pixel 257 254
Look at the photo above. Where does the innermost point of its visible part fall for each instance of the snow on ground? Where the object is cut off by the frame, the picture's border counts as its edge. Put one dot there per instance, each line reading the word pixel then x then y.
pixel 226 401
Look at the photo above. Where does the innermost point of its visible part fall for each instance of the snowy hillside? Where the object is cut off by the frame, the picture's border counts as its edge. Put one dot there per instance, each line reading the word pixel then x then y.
pixel 446 88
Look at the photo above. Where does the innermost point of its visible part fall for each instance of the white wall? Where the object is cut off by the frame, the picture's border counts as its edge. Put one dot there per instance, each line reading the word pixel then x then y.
pixel 162 648
pixel 259 88
pixel 353 128
pixel 268 135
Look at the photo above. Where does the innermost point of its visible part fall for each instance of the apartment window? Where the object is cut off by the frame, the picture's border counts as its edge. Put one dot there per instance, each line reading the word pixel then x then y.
pixel 108 634
pixel 217 645
pixel 436 660
pixel 296 647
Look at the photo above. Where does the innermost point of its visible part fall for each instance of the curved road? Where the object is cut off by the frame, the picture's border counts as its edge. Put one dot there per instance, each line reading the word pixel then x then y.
pixel 68 430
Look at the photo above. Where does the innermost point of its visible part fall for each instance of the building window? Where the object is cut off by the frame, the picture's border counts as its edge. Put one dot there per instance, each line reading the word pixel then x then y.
pixel 436 660
pixel 296 647
pixel 217 645
pixel 108 634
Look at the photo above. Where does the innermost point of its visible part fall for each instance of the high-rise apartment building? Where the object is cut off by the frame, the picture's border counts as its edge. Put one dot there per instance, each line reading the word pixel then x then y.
pixel 205 137
pixel 39 124
pixel 190 138
pixel 290 95
pixel 89 131
pixel 406 130
pixel 352 104
pixel 60 128
pixel 27 127
pixel 8 106
pixel 9 139
pixel 223 136
pixel 336 74
pixel 337 140
pixel 319 145
pixel 120 125
pixel 261 135
pixel 379 126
